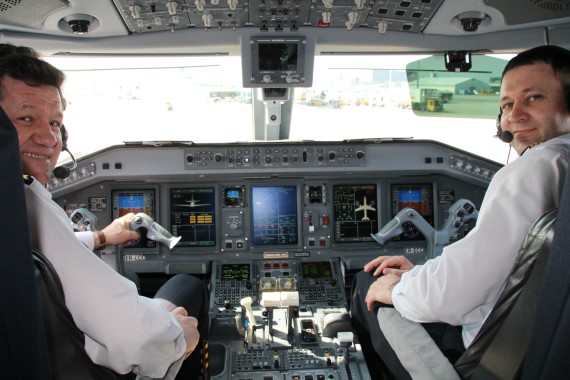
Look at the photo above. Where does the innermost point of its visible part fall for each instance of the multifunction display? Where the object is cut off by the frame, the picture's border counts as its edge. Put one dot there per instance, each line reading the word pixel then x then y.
pixel 193 216
pixel 355 212
pixel 274 215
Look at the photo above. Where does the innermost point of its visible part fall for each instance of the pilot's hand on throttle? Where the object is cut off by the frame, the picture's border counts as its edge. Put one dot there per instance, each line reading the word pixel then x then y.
pixel 381 290
pixel 118 232
pixel 383 265
pixel 190 327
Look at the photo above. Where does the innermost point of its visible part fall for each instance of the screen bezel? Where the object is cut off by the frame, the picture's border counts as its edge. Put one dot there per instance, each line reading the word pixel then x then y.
pixel 214 198
pixel 143 243
pixel 281 247
pixel 365 238
pixel 253 74
pixel 394 209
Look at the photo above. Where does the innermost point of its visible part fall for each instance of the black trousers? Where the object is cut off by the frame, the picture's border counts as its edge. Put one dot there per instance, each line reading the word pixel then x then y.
pixel 190 293
pixel 382 361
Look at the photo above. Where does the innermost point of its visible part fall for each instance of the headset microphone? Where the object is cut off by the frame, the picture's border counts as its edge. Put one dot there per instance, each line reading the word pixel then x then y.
pixel 504 136
pixel 63 171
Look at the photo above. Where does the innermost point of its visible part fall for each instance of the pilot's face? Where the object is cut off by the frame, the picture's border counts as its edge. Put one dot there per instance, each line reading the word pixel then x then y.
pixel 533 104
pixel 37 114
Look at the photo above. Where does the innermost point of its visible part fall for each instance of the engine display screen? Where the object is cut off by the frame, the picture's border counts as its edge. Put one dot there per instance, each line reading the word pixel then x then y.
pixel 418 197
pixel 355 213
pixel 274 215
pixel 193 216
pixel 236 272
pixel 135 201
pixel 320 269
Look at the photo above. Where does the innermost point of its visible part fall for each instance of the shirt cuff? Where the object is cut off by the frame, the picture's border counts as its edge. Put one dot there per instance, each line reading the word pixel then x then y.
pixel 87 238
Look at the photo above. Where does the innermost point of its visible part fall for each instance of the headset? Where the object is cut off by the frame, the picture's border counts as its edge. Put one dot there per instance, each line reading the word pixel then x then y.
pixel 63 171
pixel 504 136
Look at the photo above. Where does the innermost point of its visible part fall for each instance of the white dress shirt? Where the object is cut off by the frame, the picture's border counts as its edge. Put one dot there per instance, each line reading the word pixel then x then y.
pixel 461 286
pixel 123 331
pixel 87 238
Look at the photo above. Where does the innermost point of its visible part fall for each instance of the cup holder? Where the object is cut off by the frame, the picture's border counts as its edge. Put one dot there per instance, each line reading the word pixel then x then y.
pixel 217 353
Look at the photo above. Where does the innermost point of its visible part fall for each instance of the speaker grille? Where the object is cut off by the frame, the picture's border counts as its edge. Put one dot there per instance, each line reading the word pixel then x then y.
pixel 28 13
pixel 6 5
pixel 552 5
pixel 531 10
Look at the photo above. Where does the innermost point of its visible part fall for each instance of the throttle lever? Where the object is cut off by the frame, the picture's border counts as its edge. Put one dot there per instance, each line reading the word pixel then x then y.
pixel 154 230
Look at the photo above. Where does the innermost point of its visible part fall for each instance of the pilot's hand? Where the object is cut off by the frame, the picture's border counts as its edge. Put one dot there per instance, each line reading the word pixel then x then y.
pixel 118 231
pixel 190 327
pixel 381 290
pixel 397 265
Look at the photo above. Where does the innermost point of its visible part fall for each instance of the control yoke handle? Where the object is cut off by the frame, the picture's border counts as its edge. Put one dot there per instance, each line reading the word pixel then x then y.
pixel 154 230
pixel 459 213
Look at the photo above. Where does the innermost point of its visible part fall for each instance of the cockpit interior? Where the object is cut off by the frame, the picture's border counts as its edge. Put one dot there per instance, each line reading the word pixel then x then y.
pixel 272 148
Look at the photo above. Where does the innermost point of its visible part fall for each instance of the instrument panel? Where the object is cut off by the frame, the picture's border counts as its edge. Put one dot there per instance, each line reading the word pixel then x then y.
pixel 276 229
pixel 288 200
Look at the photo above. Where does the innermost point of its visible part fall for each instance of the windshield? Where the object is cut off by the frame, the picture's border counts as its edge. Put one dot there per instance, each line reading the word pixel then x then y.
pixel 201 99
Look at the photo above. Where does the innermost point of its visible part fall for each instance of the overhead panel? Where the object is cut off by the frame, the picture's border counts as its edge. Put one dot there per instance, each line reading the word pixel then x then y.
pixel 144 16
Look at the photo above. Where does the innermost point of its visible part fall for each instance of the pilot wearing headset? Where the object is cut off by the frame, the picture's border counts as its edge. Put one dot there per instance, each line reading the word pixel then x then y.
pixel 118 231
pixel 460 287
pixel 123 331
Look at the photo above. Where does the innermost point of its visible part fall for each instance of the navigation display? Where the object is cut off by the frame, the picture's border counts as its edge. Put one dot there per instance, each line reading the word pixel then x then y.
pixel 418 197
pixel 355 213
pixel 193 216
pixel 135 201
pixel 274 215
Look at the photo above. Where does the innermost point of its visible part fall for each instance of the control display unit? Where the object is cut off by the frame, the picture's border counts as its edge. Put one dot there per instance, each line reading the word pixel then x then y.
pixel 355 213
pixel 274 215
pixel 193 216
pixel 319 269
pixel 235 272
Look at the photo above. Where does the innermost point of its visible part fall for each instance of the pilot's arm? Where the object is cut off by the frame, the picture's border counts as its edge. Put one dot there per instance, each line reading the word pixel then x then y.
pixel 118 232
pixel 123 331
pixel 461 286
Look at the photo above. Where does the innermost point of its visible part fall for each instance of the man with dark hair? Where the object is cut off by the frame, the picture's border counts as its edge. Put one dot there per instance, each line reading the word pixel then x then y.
pixel 123 331
pixel 118 231
pixel 460 287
